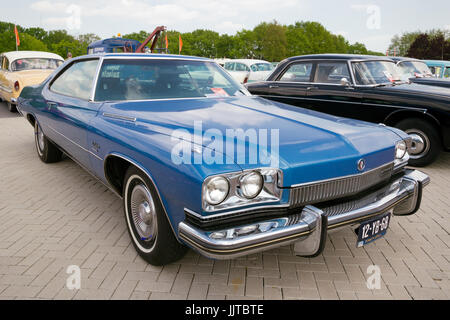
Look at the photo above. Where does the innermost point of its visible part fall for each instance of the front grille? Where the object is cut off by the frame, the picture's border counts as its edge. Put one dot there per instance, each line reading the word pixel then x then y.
pixel 337 188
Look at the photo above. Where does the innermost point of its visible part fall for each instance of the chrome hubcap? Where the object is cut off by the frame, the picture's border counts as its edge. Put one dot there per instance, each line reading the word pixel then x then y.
pixel 143 213
pixel 420 144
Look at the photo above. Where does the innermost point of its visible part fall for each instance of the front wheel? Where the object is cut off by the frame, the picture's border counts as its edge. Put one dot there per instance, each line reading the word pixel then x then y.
pixel 46 150
pixel 426 143
pixel 147 223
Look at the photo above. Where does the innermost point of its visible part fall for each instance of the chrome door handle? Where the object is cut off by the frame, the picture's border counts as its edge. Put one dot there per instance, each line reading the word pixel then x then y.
pixel 311 88
pixel 272 86
pixel 50 105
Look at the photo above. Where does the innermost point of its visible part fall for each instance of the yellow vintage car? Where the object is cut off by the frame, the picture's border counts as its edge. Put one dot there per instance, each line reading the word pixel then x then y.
pixel 24 68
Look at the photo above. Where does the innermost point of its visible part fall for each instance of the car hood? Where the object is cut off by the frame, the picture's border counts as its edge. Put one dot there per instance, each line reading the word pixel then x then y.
pixel 432 81
pixel 419 89
pixel 305 144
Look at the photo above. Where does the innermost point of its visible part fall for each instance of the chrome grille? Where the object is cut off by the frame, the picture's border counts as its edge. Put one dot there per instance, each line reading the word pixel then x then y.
pixel 340 187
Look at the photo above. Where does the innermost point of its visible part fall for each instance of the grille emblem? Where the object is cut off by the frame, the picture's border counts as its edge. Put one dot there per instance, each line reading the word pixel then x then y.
pixel 361 164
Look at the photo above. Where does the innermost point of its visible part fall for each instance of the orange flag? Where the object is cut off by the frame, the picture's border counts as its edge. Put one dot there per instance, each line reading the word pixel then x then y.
pixel 181 42
pixel 17 36
pixel 167 42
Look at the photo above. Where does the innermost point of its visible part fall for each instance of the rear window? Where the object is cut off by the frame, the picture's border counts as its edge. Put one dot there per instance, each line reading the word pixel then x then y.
pixel 146 79
pixel 35 63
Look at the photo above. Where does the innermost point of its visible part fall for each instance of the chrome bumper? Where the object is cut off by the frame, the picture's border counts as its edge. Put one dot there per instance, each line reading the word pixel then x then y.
pixel 308 228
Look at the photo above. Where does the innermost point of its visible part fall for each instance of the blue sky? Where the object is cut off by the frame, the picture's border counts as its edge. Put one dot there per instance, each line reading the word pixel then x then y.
pixel 371 22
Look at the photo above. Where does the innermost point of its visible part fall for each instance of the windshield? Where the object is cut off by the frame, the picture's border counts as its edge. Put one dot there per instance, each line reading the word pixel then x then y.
pixel 261 67
pixel 375 72
pixel 143 79
pixel 414 69
pixel 35 63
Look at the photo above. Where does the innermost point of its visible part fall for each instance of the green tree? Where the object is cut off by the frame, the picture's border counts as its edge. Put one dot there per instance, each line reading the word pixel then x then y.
pixel 28 42
pixel 36 32
pixel 270 41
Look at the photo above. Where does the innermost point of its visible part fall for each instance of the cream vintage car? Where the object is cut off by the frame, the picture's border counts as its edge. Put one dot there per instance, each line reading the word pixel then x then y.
pixel 24 68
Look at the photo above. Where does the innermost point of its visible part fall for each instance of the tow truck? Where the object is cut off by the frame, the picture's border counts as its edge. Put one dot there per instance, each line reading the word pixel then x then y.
pixel 119 44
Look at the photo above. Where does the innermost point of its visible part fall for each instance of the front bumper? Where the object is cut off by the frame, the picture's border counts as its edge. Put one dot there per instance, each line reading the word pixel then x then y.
pixel 308 228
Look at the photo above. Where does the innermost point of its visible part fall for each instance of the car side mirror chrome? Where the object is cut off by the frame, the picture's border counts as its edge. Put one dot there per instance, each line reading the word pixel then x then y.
pixel 345 82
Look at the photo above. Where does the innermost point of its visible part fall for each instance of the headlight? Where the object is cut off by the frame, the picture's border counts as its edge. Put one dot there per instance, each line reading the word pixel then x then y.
pixel 251 184
pixel 241 188
pixel 217 190
pixel 400 149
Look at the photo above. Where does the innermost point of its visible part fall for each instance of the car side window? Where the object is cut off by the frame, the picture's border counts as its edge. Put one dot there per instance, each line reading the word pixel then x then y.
pixel 298 72
pixel 76 81
pixel 5 63
pixel 447 72
pixel 241 67
pixel 331 72
pixel 229 66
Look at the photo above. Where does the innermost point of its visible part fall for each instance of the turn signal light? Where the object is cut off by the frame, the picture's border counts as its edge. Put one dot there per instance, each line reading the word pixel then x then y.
pixel 16 86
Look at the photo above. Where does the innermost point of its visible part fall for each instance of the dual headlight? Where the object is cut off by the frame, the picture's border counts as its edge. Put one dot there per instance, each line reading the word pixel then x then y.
pixel 235 189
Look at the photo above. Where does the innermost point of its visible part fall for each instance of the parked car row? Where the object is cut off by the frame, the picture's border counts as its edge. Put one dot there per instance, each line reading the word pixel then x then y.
pixel 186 147
pixel 366 88
pixel 248 70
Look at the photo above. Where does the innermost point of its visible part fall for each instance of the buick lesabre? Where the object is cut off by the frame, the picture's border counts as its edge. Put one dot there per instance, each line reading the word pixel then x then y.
pixel 201 163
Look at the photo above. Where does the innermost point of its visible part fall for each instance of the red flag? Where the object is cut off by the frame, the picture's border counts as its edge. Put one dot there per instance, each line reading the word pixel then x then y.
pixel 17 36
pixel 180 42
pixel 167 42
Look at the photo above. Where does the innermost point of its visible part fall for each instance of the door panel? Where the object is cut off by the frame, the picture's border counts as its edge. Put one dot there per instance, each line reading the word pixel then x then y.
pixel 338 100
pixel 69 109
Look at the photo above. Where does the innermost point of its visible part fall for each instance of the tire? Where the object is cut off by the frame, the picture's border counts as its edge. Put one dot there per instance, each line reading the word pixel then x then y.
pixel 11 107
pixel 426 144
pixel 46 150
pixel 146 220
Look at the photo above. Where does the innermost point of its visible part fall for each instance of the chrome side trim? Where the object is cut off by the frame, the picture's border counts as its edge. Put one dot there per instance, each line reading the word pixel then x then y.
pixel 346 102
pixel 97 74
pixel 118 117
pixel 73 142
pixel 9 90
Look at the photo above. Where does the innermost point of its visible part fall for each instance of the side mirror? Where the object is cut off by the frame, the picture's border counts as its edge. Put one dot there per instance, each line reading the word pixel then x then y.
pixel 345 82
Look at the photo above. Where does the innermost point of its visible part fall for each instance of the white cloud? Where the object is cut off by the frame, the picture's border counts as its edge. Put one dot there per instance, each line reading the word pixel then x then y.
pixel 228 27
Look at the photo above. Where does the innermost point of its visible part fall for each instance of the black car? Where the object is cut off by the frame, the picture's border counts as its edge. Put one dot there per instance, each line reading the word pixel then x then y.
pixel 417 71
pixel 365 88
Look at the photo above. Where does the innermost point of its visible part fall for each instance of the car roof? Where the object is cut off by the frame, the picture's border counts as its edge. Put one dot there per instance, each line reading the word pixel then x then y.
pixel 249 61
pixel 398 59
pixel 112 42
pixel 438 62
pixel 14 55
pixel 144 55
pixel 336 56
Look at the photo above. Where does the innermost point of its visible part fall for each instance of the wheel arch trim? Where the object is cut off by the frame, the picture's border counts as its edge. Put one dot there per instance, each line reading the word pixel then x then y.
pixel 145 171
pixel 423 113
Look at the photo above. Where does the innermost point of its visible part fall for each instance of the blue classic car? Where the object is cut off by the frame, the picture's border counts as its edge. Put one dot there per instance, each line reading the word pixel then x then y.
pixel 201 163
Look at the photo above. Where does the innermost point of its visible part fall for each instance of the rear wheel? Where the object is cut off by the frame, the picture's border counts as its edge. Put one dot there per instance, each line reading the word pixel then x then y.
pixel 46 150
pixel 147 223
pixel 426 143
pixel 11 107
